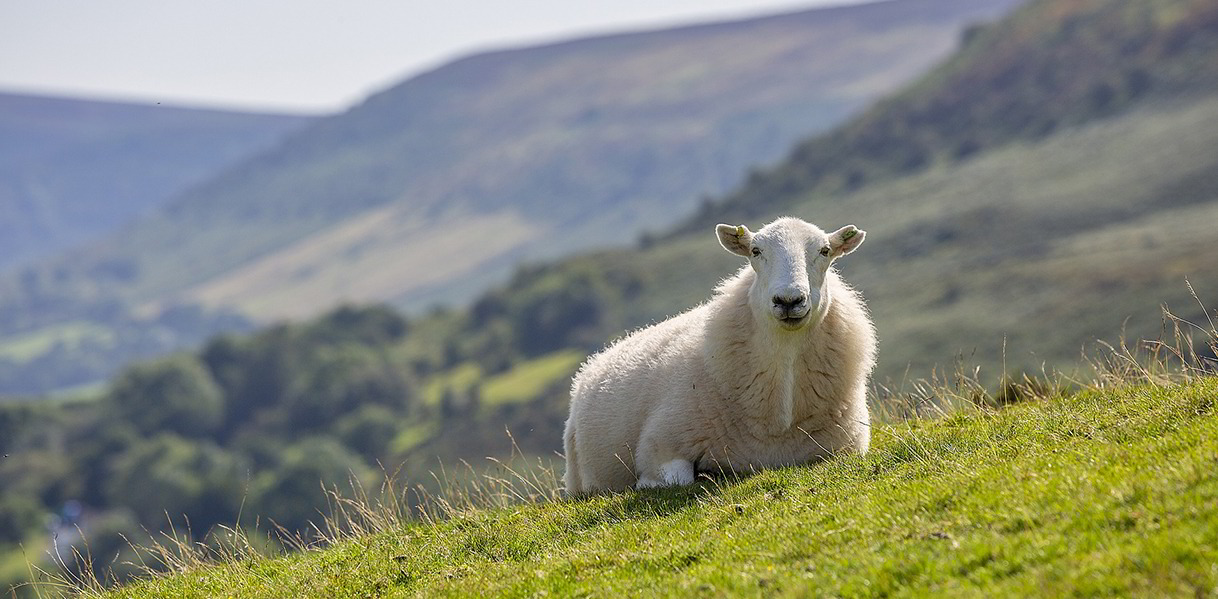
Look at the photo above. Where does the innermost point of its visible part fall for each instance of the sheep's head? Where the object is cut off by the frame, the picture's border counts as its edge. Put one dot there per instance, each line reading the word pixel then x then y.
pixel 791 258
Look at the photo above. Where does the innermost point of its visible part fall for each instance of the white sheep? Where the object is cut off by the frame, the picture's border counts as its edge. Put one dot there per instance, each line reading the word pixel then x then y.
pixel 772 371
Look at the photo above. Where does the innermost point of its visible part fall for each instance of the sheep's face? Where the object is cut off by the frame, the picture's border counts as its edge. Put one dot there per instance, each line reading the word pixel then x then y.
pixel 791 258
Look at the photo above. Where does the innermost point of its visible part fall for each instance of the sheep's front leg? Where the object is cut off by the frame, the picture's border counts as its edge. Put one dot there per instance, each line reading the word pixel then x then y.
pixel 659 461
pixel 670 473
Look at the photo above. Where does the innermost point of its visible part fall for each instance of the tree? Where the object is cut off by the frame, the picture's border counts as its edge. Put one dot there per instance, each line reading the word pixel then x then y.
pixel 369 430
pixel 19 515
pixel 339 380
pixel 292 495
pixel 169 475
pixel 552 315
pixel 371 325
pixel 175 394
pixel 255 372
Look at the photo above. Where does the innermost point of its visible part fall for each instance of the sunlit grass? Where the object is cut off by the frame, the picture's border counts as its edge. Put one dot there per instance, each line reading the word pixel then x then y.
pixel 26 346
pixel 459 379
pixel 15 559
pixel 1105 492
pixel 529 379
pixel 412 436
pixel 523 382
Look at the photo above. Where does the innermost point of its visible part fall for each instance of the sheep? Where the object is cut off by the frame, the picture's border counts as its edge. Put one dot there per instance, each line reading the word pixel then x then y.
pixel 771 371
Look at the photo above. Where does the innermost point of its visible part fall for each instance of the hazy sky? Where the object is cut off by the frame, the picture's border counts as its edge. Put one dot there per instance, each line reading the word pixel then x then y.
pixel 300 55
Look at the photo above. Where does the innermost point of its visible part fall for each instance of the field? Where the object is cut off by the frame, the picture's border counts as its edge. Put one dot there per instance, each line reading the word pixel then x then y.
pixel 1039 197
pixel 529 379
pixel 1106 492
pixel 26 346
pixel 523 382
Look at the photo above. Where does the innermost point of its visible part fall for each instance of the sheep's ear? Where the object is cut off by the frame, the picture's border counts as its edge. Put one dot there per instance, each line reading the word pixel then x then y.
pixel 737 239
pixel 845 240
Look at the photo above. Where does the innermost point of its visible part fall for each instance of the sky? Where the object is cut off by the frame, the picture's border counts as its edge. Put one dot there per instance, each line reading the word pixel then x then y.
pixel 311 56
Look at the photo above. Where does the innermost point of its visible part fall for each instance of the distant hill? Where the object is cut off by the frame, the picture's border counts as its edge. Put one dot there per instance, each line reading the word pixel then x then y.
pixel 533 152
pixel 74 170
pixel 432 190
pixel 1016 254
pixel 1046 69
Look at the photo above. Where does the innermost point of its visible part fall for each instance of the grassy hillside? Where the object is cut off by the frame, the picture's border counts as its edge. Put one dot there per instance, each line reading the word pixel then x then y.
pixel 75 170
pixel 1047 67
pixel 578 143
pixel 1104 493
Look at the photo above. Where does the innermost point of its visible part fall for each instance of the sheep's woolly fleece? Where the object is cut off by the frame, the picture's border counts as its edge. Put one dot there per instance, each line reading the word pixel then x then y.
pixel 751 379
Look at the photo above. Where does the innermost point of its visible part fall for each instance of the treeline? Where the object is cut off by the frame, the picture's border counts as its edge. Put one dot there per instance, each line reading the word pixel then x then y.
pixel 253 426
pixel 258 420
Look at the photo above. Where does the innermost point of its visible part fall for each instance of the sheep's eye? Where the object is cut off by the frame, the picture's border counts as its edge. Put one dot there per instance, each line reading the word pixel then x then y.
pixel 756 251
pixel 824 251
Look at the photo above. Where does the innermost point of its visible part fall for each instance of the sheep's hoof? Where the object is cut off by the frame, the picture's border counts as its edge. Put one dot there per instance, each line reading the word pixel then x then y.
pixel 647 482
pixel 676 472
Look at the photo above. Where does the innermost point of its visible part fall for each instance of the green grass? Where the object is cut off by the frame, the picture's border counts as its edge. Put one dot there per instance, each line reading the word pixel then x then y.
pixel 15 560
pixel 529 379
pixel 412 436
pixel 459 379
pixel 1103 493
pixel 27 346
pixel 523 382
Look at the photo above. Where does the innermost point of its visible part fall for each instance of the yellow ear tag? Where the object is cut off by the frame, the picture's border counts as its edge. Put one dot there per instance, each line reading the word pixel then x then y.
pixel 740 230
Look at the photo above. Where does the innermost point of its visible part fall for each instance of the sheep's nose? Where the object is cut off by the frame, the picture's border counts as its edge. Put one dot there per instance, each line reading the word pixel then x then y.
pixel 790 301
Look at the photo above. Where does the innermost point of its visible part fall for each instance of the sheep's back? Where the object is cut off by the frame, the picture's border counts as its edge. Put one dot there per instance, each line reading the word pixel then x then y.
pixel 633 369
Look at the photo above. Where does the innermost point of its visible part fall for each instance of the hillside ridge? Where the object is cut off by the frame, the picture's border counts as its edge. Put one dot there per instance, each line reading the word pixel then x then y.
pixel 583 140
pixel 1043 70
pixel 73 170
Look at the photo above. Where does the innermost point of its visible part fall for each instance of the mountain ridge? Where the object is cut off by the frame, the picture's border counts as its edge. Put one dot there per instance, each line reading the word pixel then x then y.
pixel 1089 59
pixel 369 181
pixel 73 169
pixel 543 151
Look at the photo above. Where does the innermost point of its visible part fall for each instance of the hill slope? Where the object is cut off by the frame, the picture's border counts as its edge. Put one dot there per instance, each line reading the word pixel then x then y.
pixel 1020 257
pixel 531 153
pixel 578 143
pixel 74 170
pixel 1017 254
pixel 1107 493
pixel 1047 67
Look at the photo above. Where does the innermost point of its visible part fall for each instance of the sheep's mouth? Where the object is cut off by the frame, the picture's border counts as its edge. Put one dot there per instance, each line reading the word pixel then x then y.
pixel 793 322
